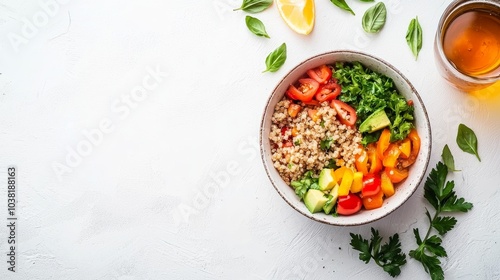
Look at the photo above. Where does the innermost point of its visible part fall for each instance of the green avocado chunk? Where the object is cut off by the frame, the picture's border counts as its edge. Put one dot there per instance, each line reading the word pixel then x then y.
pixel 315 200
pixel 377 120
pixel 332 199
pixel 326 179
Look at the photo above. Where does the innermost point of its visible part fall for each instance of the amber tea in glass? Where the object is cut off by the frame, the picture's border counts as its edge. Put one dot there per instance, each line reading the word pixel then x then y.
pixel 467 44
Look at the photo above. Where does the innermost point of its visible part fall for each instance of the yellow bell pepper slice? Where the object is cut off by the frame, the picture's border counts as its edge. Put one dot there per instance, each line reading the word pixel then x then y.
pixel 357 182
pixel 345 185
pixel 387 186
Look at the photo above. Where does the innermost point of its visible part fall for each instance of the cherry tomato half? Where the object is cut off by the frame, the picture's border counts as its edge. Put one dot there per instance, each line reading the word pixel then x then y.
pixel 328 91
pixel 371 185
pixel 320 74
pixel 349 204
pixel 291 95
pixel 345 113
pixel 306 90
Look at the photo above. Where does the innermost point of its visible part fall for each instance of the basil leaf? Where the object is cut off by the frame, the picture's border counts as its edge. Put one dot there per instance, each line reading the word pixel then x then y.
pixel 254 6
pixel 276 59
pixel 343 5
pixel 414 37
pixel 467 140
pixel 448 159
pixel 256 26
pixel 374 18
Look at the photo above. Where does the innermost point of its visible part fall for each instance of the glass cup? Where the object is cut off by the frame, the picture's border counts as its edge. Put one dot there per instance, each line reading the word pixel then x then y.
pixel 467 44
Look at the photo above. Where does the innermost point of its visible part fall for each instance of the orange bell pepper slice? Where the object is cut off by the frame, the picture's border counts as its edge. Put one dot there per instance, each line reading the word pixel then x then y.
pixel 374 201
pixel 391 155
pixel 374 159
pixel 415 149
pixel 361 161
pixel 396 175
pixel 313 114
pixel 405 148
pixel 383 142
pixel 387 186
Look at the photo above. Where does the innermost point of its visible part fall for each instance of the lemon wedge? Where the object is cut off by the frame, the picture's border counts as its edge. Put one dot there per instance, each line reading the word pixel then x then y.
pixel 297 14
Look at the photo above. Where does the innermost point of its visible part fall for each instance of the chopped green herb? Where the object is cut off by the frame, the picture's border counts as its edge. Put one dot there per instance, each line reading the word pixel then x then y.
pixel 326 144
pixel 322 123
pixel 367 91
pixel 308 181
pixel 332 164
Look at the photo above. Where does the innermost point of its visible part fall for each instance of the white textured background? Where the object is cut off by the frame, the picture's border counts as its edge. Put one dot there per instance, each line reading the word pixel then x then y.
pixel 144 203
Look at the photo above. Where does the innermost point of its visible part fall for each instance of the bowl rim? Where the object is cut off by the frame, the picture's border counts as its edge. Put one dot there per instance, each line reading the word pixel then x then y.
pixel 426 120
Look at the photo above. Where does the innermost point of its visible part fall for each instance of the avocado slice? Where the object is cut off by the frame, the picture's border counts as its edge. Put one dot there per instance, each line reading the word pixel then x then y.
pixel 326 179
pixel 377 120
pixel 315 200
pixel 332 199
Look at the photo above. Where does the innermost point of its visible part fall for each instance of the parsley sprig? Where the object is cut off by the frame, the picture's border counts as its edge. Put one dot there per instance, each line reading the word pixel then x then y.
pixel 442 197
pixel 387 256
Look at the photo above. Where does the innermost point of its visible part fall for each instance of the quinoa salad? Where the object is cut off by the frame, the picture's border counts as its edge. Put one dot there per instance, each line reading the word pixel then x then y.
pixel 343 138
pixel 340 142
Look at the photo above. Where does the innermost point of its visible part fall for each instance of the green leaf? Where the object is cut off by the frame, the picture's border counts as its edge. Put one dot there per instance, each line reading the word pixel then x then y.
pixel 448 159
pixel 452 204
pixel 444 224
pixel 434 185
pixel 343 5
pixel 276 59
pixel 367 0
pixel 433 245
pixel 388 256
pixel 254 6
pixel 374 18
pixel 467 140
pixel 414 37
pixel 362 245
pixel 256 26
pixel 326 144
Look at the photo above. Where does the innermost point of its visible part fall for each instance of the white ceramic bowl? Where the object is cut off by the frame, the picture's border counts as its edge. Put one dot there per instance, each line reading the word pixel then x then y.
pixel 404 190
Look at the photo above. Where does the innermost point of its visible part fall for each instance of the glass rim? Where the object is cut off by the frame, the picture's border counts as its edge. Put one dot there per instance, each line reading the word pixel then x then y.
pixel 445 18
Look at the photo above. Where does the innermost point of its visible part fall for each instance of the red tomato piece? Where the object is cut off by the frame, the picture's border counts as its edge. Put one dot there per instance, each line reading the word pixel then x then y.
pixel 284 130
pixel 287 144
pixel 371 185
pixel 320 74
pixel 291 95
pixel 345 113
pixel 306 90
pixel 311 102
pixel 328 91
pixel 349 204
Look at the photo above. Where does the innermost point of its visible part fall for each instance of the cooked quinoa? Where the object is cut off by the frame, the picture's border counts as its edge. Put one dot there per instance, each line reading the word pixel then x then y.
pixel 306 154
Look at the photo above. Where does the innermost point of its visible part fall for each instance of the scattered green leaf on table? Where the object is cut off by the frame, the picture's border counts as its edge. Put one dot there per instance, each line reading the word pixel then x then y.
pixel 276 59
pixel 343 5
pixel 254 6
pixel 414 37
pixel 374 18
pixel 441 195
pixel 256 26
pixel 388 256
pixel 467 140
pixel 448 159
